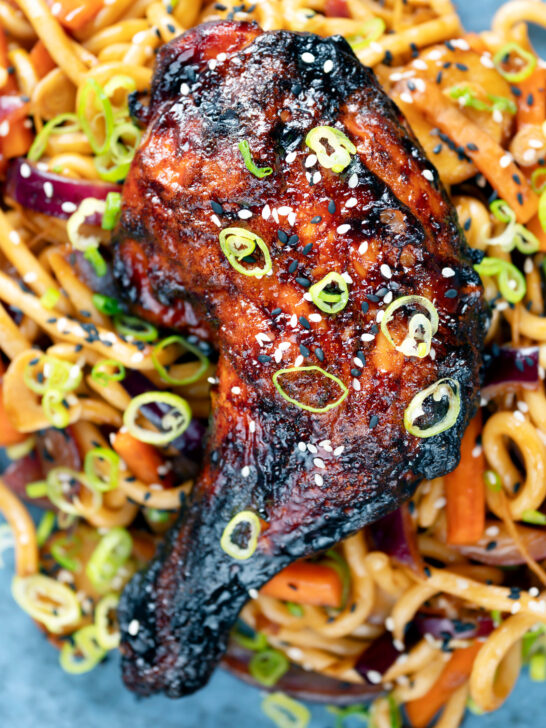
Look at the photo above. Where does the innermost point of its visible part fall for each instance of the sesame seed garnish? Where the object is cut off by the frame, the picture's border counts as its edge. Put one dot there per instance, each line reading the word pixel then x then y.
pixel 448 272
pixel 293 266
pixel 245 471
pixel 307 249
pixel 134 626
pixel 264 358
pixel 184 89
pixel 302 447
pixel 307 57
pixel 290 157
pixel 217 207
pixel 505 161
pixel 304 350
pixel 68 206
pixel 316 178
pixel 25 170
pixel 244 214
pixel 356 372
pixel 351 202
pixel 266 212
pixel 304 322
pixel 319 353
pixel 328 66
pixel 353 181
pixel 331 207
pixel 364 306
pixel 315 317
pixel 385 270
pixel 437 149
pixel 216 220
pixel 316 219
pixel 343 228
pixel 367 337
pixel 363 247
pixel 319 480
pixel 427 174
pixel 305 282
pixel 311 160
pixel 451 293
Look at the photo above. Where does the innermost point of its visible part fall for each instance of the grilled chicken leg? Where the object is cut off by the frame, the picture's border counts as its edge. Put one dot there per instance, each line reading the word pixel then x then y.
pixel 383 223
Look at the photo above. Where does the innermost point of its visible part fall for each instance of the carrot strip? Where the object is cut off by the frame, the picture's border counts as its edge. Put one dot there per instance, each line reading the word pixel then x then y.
pixel 465 491
pixel 536 228
pixel 11 84
pixel 457 671
pixel 483 150
pixel 75 14
pixel 18 141
pixel 8 434
pixel 41 60
pixel 532 102
pixel 306 583
pixel 143 460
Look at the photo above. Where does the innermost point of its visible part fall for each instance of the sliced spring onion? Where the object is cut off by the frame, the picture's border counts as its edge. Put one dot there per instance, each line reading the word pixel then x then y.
pixel 163 371
pixel 514 235
pixel 45 373
pixel 370 32
pixel 473 706
pixel 510 280
pixel 301 405
pixel 394 712
pixel 45 527
pixel 502 56
pixel 103 106
pixel 542 211
pixel 173 423
pixel 492 481
pixel 285 712
pixel 117 83
pixel 47 601
pixel 93 471
pixel 296 610
pixel 107 637
pixel 538 187
pixel 246 519
pixel 63 550
pixel 155 515
pixel 86 208
pixel 56 408
pixel 259 172
pixel 238 243
pixel 132 327
pixel 256 642
pixel 61 124
pixel 342 146
pixel 94 256
pixel 110 172
pixel 111 211
pixel 38 489
pixel 537 667
pixel 59 481
pixel 532 516
pixel 124 143
pixel 106 304
pixel 496 616
pixel 50 298
pixel 268 666
pixel 419 325
pixel 18 451
pixel 467 98
pixel 329 301
pixel 108 370
pixel 343 715
pixel 110 554
pixel 449 388
pixel 82 652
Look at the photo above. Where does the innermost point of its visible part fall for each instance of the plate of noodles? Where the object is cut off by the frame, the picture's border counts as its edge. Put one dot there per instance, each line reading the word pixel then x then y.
pixel 429 608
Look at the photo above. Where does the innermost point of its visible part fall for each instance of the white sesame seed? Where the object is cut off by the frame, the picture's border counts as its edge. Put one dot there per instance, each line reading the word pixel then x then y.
pixel 367 337
pixel 221 57
pixel 427 174
pixel 319 480
pixel 299 361
pixel 15 237
pixel 351 202
pixel 388 297
pixel 25 170
pixel 216 220
pixel 184 89
pixel 379 316
pixel 505 161
pixel 406 97
pixel 374 677
pixel 339 450
pixel 440 503
pixel 358 362
pixel 307 57
pixel 389 624
pixel 497 116
pixel 385 270
pixel 312 449
pixel 48 189
pixel 284 210
pixel 343 228
pixel 137 357
pixel 533 592
pixel 293 321
pixel 316 178
pixel 487 61
pixel 291 157
pixel 245 471
pixel 302 446
pixel 212 64
pixel 519 416
pixel 236 390
pixel 328 66
pixel 262 338
pixel 515 608
pixel 311 160
pixel 477 451
pixel 30 277
pixel 535 144
pixel 492 531
pixel 291 217
pixel 363 247
pixel 356 384
pixel 134 626
pixel 523 407
pixel 253 593
pixel 266 212
pixel 448 272
pixel 4 128
pixel 315 318
pixel 420 64
pixel 353 181
pixel 244 214
pixel 68 207
pixel 319 463
pixel 346 277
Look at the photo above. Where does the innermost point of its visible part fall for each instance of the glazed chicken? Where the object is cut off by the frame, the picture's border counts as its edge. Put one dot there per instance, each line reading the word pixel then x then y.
pixel 320 450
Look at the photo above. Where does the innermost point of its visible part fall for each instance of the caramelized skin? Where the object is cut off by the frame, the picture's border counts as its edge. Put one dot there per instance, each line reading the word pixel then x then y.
pixel 216 85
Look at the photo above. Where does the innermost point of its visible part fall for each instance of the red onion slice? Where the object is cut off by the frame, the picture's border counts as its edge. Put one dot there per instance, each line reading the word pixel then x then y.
pixel 395 535
pixel 510 367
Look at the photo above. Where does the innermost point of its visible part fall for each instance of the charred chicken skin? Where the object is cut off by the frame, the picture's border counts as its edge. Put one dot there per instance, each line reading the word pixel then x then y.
pixel 383 223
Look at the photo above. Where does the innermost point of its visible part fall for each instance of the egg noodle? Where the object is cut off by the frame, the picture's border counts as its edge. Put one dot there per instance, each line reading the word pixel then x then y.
pixel 477 103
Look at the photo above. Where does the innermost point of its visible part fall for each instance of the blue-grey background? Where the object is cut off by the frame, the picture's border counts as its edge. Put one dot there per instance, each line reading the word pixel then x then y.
pixel 36 693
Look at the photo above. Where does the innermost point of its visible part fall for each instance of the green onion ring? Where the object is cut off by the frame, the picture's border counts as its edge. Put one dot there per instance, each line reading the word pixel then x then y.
pixel 260 172
pixel 59 375
pixel 101 375
pixel 307 408
pixel 107 639
pixel 542 211
pixel 94 478
pixel 231 548
pixel 538 188
pixel 268 666
pixel 134 328
pixel 343 147
pixel 516 76
pixel 162 371
pixel 330 303
pixel 86 645
pixel 285 712
pixel 106 304
pixel 507 273
pixel 112 211
pixel 370 32
pixel 87 207
pixel 109 555
pixel 92 87
pixel 446 387
pixel 410 347
pixel 64 555
pixel 237 243
pixel 47 600
pixel 173 424
pixel 53 126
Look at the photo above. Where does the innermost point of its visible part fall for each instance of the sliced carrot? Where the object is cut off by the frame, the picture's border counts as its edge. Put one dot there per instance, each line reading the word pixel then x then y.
pixel 41 60
pixel 465 491
pixel 143 460
pixel 8 434
pixel 532 101
pixel 483 150
pixel 457 671
pixel 536 228
pixel 476 42
pixel 306 583
pixel 75 14
pixel 18 141
pixel 11 84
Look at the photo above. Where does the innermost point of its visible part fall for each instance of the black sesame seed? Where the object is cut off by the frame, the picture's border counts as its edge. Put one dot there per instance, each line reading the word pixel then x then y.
pixel 515 90
pixel 293 266
pixel 319 353
pixel 217 207
pixel 78 348
pixel 520 198
pixel 293 239
pixel 439 77
pixel 372 297
pixel 387 58
pixel 530 100
pixel 451 293
pixel 519 365
pixel 356 372
pixel 374 419
pixel 85 314
pixel 472 147
pixel 427 571
pixel 529 361
pixel 276 311
pixel 411 507
pixel 171 28
pixel 437 149
pixel 304 351
pixel 447 64
pixel 411 85
pixel 307 249
pixel 414 50
pixel 331 207
pixel 283 237
pixel 364 306
pixel 374 329
pixel 516 179
pixel 316 219
pixel 264 358
pixel 515 593
pixel 467 224
pixel 296 89
pixel 305 282
pixel 360 355
pixel 491 546
pixel 304 322
pixel 449 45
pixel 461 67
